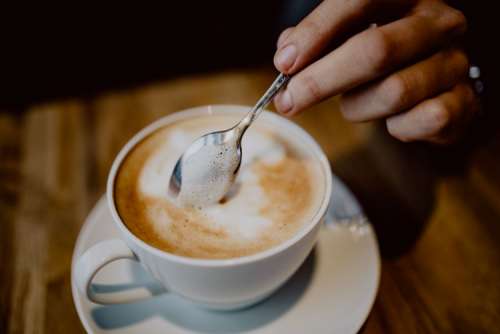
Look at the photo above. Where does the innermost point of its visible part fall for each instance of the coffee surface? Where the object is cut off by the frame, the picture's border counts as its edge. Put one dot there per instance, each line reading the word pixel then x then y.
pixel 278 190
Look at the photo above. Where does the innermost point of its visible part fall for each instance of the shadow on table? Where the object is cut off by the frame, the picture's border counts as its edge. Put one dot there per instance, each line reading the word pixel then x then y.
pixel 184 314
pixel 395 184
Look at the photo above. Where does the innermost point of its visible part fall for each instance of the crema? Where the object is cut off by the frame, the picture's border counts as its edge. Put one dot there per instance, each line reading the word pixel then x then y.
pixel 278 190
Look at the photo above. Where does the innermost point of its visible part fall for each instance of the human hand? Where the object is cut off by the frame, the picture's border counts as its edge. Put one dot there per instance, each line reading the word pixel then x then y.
pixel 406 70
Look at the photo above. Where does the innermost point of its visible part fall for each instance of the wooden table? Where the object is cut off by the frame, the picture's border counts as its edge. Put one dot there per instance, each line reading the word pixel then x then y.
pixel 437 216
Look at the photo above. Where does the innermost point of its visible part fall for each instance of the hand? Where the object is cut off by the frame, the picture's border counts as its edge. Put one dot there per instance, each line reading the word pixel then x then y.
pixel 406 70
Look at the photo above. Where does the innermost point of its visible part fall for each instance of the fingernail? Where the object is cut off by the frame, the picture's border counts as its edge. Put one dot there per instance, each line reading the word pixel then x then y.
pixel 283 102
pixel 283 37
pixel 285 58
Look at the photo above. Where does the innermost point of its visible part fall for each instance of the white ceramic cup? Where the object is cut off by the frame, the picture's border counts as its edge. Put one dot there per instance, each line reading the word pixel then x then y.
pixel 222 284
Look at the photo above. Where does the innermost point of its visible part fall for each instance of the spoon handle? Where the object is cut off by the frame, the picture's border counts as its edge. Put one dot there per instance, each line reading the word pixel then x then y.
pixel 277 84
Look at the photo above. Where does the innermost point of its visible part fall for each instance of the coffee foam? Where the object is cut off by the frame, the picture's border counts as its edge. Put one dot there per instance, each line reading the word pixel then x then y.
pixel 208 174
pixel 277 191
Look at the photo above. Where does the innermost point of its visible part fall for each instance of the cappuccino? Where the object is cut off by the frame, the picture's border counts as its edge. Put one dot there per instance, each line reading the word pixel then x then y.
pixel 279 189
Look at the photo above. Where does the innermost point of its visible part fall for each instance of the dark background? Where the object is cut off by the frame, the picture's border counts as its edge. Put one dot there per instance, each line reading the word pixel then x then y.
pixel 82 49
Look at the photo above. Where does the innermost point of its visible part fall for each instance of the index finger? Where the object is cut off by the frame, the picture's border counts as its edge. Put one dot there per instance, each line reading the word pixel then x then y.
pixel 328 22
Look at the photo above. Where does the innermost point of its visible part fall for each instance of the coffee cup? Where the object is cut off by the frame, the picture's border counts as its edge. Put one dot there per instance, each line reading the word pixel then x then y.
pixel 220 283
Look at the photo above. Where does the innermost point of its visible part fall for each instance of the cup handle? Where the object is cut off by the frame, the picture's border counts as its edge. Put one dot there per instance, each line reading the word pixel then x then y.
pixel 94 259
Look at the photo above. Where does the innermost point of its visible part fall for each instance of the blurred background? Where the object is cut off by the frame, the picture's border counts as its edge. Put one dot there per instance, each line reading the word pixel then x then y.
pixel 85 49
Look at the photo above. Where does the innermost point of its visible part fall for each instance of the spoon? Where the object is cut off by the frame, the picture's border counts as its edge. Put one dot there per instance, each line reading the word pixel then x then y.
pixel 207 169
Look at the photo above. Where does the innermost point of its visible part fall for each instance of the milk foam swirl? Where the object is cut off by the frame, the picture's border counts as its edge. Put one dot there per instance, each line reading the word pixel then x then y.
pixel 275 193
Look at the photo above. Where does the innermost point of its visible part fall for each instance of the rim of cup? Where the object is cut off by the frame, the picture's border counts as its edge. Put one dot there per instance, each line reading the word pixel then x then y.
pixel 209 110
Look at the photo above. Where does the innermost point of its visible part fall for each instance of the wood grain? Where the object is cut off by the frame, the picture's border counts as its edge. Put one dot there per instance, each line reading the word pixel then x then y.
pixel 437 226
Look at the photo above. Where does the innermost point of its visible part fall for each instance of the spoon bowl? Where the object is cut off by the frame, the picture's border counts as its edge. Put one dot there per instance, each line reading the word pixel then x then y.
pixel 221 139
pixel 214 159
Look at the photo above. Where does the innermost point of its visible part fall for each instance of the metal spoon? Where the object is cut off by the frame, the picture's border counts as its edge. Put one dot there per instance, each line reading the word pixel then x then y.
pixel 219 182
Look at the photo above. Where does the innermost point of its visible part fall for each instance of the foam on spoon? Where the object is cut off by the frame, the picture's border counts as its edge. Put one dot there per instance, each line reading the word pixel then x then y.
pixel 207 175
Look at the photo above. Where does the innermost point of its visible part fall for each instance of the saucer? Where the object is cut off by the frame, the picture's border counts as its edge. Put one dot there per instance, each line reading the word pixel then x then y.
pixel 332 292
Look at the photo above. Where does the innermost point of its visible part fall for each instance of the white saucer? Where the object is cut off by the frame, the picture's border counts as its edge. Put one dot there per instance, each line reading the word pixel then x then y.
pixel 332 292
